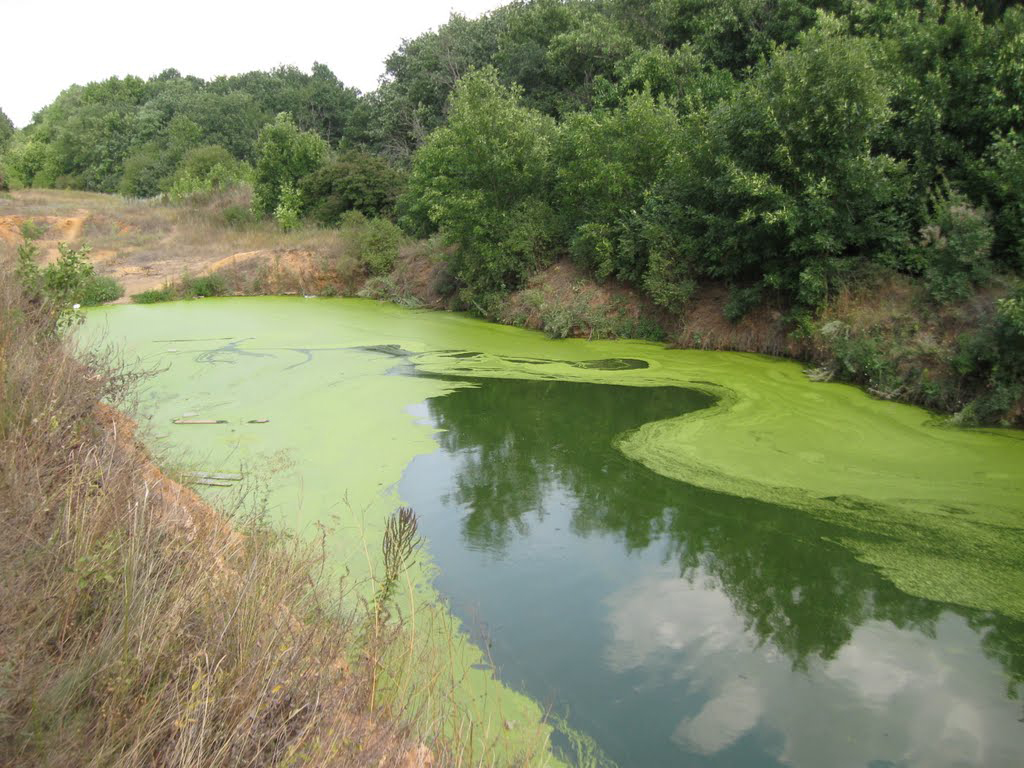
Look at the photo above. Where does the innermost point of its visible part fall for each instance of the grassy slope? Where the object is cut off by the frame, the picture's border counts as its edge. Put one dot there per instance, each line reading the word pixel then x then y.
pixel 139 628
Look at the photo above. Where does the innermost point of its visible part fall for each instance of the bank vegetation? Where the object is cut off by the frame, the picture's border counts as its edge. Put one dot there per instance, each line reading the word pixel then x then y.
pixel 141 627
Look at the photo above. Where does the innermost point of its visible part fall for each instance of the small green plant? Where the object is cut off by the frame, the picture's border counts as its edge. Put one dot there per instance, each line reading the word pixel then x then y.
pixel 32 230
pixel 154 296
pixel 380 246
pixel 201 286
pixel 399 545
pixel 239 216
pixel 27 270
pixel 955 247
pixel 289 208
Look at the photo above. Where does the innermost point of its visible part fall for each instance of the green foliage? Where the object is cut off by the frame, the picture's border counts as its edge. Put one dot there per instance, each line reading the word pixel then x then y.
pixel 380 246
pixel 955 246
pixel 196 287
pixel 26 269
pixel 356 180
pixel 6 130
pixel 32 230
pixel 374 242
pixel 782 175
pixel 284 155
pixel 1005 177
pixel 581 317
pixel 481 179
pixel 6 134
pixel 992 358
pixel 289 207
pixel 154 296
pixel 205 171
pixel 607 161
pixel 70 280
pixel 239 216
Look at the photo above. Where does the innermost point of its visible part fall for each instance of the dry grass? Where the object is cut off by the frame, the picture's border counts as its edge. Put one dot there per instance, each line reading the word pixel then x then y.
pixel 704 325
pixel 146 244
pixel 564 301
pixel 140 629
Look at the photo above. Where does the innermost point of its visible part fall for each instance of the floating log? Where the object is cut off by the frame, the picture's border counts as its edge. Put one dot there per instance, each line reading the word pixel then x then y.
pixel 199 421
pixel 259 421
pixel 218 483
pixel 215 475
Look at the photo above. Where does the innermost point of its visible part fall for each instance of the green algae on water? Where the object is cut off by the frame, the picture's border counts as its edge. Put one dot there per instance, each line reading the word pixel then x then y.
pixel 939 511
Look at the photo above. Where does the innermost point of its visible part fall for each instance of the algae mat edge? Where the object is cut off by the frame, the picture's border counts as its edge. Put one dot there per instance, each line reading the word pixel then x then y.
pixel 937 509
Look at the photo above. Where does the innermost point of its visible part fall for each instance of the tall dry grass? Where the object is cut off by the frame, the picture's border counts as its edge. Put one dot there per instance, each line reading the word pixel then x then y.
pixel 137 627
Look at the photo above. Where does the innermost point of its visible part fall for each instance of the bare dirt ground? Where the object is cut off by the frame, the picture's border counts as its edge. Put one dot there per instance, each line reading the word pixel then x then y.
pixel 146 245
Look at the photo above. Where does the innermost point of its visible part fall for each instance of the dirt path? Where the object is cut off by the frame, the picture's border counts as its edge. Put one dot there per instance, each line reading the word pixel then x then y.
pixel 146 246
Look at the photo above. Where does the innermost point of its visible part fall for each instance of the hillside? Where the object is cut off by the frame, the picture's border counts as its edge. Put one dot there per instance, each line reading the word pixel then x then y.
pixel 883 334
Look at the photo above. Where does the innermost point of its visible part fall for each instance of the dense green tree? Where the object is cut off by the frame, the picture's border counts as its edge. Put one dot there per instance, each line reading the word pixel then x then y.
pixel 284 155
pixel 482 179
pixel 779 185
pixel 419 78
pixel 6 130
pixel 606 162
pixel 356 180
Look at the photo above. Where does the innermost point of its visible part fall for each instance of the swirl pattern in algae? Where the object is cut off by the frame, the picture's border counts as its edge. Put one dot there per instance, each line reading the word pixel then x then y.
pixel 939 510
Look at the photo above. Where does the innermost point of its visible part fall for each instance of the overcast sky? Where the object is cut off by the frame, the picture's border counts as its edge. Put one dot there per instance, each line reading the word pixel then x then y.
pixel 49 46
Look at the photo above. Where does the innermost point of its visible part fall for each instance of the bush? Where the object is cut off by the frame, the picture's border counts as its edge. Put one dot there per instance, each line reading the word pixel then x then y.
pixel 99 289
pixel 68 281
pixel 32 230
pixel 356 181
pixel 204 171
pixel 239 216
pixel 289 208
pixel 155 296
pixel 380 246
pixel 71 280
pixel 955 248
pixel 375 242
pixel 199 287
pixel 284 155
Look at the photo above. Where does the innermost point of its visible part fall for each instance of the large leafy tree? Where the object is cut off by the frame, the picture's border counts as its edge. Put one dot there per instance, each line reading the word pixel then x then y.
pixel 284 155
pixel 606 163
pixel 6 129
pixel 483 179
pixel 780 184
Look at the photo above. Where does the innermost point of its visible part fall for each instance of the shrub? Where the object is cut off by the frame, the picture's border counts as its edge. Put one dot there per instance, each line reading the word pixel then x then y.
pixel 68 281
pixel 71 280
pixel 198 287
pixel 99 289
pixel 155 296
pixel 284 155
pixel 239 216
pixel 375 242
pixel 289 208
pixel 380 246
pixel 741 301
pixel 32 230
pixel 356 181
pixel 204 171
pixel 955 248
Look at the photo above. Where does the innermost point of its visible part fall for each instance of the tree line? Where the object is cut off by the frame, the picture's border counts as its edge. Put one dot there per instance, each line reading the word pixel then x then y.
pixel 786 148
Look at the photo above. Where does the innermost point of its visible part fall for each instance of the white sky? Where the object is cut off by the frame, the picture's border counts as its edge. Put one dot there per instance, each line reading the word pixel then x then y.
pixel 49 46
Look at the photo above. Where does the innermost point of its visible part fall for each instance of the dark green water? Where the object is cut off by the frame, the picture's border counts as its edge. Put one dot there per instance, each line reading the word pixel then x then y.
pixel 682 627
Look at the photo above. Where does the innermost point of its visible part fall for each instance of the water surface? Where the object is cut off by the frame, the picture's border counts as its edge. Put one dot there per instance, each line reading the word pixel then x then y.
pixel 702 558
pixel 684 626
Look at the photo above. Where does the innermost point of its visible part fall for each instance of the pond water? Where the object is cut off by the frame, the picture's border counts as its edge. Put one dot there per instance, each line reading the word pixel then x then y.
pixel 697 558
